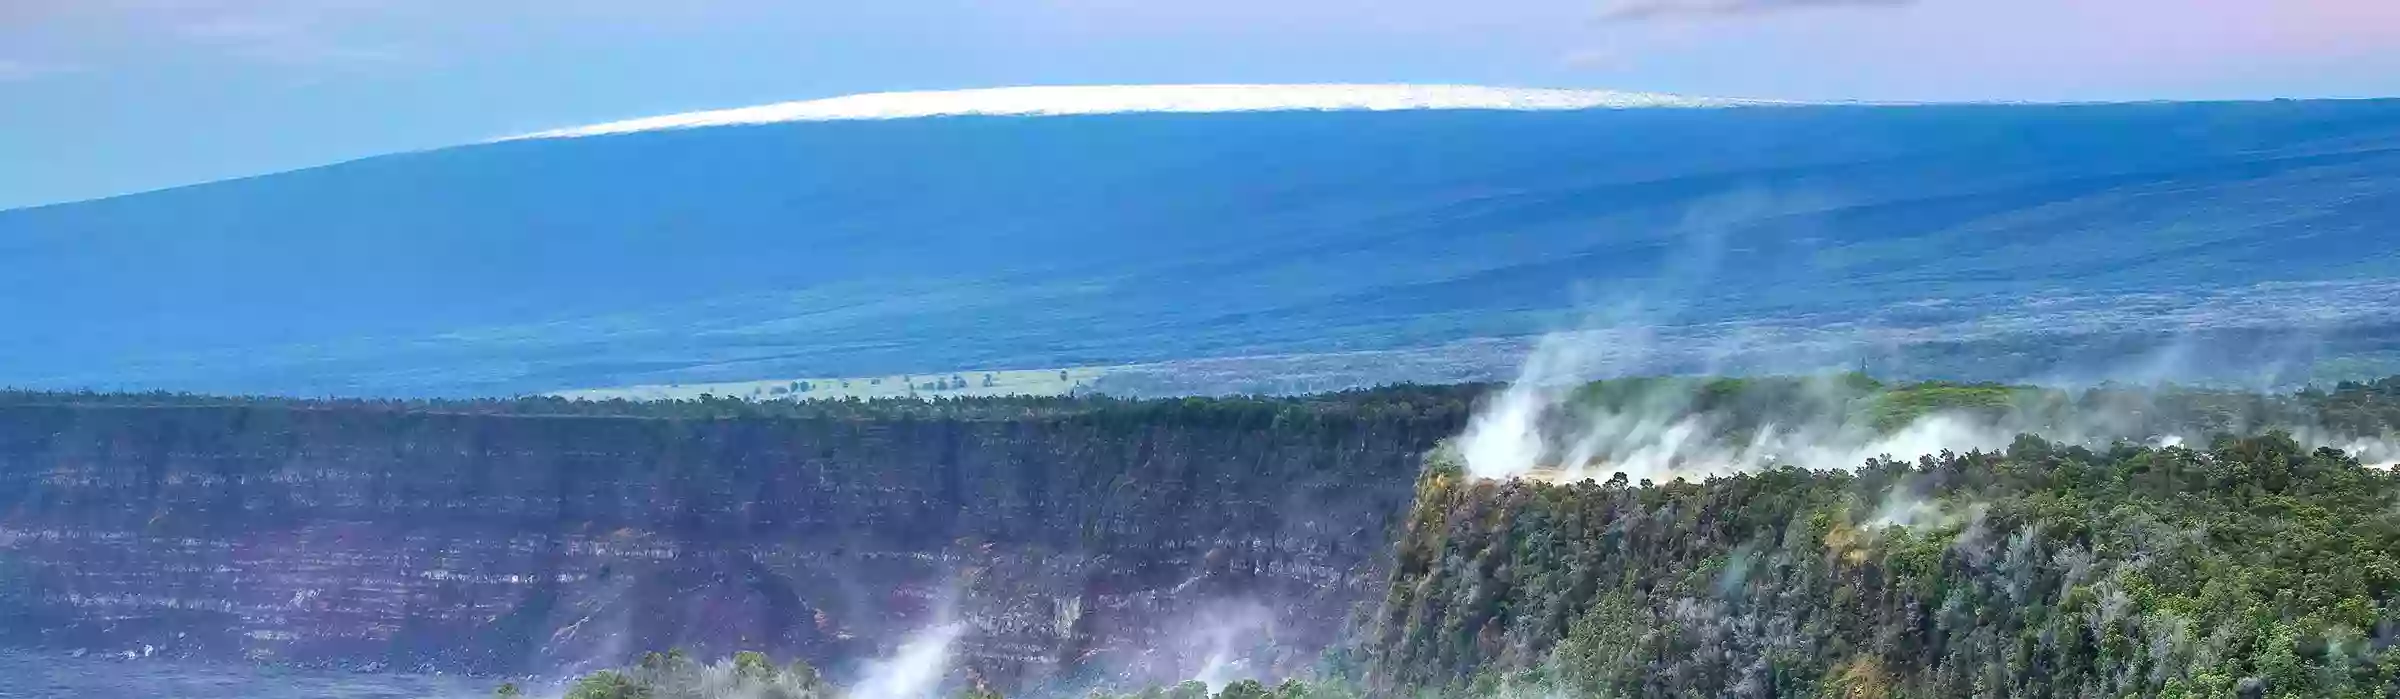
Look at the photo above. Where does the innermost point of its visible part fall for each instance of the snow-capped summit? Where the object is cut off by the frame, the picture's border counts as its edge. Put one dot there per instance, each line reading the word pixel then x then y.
pixel 1108 99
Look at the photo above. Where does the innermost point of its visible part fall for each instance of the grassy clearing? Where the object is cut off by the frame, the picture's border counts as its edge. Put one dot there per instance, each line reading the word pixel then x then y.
pixel 1903 404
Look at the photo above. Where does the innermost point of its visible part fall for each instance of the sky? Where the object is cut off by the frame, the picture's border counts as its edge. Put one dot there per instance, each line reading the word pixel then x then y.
pixel 104 97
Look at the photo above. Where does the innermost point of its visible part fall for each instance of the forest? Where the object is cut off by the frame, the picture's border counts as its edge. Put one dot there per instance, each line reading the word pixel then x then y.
pixel 2242 564
pixel 2250 567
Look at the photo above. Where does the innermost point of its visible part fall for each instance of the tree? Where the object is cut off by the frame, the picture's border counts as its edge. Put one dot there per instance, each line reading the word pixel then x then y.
pixel 753 665
pixel 609 684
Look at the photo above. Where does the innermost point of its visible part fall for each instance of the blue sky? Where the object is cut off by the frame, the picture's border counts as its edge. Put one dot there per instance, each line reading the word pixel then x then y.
pixel 100 97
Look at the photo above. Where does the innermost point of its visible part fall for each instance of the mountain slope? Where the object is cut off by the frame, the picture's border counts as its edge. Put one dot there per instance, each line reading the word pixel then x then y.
pixel 864 247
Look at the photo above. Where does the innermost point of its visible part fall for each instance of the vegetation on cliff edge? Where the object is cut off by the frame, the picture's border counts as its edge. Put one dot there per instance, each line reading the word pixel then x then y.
pixel 2253 567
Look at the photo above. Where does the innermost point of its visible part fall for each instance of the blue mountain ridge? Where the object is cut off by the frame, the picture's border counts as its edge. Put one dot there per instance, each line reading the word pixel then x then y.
pixel 934 244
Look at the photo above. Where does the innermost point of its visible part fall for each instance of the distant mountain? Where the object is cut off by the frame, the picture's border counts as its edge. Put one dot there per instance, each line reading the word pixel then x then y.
pixel 1152 99
pixel 1142 225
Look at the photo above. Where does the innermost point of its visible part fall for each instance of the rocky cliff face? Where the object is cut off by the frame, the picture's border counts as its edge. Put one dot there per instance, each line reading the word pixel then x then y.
pixel 1142 539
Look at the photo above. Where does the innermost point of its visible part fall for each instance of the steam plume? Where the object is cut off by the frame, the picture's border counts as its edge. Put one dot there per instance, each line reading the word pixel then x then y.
pixel 916 669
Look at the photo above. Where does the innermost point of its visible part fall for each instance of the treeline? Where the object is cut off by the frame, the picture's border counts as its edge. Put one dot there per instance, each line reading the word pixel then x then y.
pixel 750 675
pixel 1417 398
pixel 674 675
pixel 2357 407
pixel 2252 567
pixel 2353 408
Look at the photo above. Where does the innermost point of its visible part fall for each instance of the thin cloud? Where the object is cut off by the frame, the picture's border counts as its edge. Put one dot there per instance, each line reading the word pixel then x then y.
pixel 287 39
pixel 16 71
pixel 1637 10
pixel 297 33
pixel 1592 57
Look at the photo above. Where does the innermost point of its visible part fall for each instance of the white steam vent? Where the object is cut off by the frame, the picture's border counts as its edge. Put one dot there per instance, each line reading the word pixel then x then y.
pixel 1536 428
